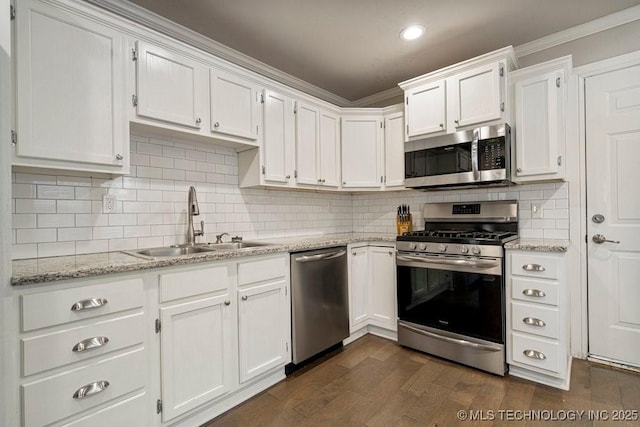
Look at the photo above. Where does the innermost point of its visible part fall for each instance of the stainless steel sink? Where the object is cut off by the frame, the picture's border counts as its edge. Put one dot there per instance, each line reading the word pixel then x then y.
pixel 231 245
pixel 173 251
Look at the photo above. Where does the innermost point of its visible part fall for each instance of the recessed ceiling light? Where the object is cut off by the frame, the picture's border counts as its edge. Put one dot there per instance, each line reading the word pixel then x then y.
pixel 412 32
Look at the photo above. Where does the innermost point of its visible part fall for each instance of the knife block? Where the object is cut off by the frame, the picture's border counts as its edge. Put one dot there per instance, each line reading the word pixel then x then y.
pixel 404 225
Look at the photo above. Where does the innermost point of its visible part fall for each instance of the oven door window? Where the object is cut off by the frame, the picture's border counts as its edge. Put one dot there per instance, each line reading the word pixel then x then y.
pixel 438 161
pixel 460 302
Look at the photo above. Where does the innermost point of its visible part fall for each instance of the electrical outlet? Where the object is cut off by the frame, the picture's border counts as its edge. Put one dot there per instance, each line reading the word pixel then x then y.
pixel 536 210
pixel 108 203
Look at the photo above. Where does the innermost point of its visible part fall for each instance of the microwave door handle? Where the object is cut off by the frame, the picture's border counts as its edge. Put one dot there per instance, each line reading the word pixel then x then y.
pixel 474 155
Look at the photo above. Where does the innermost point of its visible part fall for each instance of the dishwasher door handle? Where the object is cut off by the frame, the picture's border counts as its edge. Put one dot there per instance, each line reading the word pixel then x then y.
pixel 320 257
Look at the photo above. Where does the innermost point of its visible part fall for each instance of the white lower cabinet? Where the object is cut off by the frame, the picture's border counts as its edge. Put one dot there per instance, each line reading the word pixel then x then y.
pixel 537 317
pixel 372 288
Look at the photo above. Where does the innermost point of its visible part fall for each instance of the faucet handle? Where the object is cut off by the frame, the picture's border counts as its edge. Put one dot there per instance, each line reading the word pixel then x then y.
pixel 201 231
pixel 236 239
pixel 219 237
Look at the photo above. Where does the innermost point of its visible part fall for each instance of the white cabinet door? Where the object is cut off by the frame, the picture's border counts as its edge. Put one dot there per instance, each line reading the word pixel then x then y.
pixel 394 150
pixel 361 151
pixel 476 96
pixel 278 149
pixel 234 106
pixel 307 135
pixel 539 126
pixel 197 353
pixel 70 83
pixel 170 87
pixel 329 149
pixel 425 107
pixel 382 297
pixel 263 330
pixel 358 286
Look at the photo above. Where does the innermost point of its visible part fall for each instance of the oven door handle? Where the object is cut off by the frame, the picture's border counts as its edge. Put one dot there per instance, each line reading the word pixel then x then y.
pixel 451 340
pixel 449 261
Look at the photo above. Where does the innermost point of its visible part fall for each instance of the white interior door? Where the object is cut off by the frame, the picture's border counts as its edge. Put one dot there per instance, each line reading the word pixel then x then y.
pixel 613 154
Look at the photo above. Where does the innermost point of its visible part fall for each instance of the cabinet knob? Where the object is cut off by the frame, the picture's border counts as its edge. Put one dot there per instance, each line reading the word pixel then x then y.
pixel 390 252
pixel 216 125
pixel 198 120
pixel 119 157
pixel 442 125
pixel 244 298
pixel 227 302
pixel 322 180
pixel 456 121
pixel 519 170
pixel 344 182
pixel 288 176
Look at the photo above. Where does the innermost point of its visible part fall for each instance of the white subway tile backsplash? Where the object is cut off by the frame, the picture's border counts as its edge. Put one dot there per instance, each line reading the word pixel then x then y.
pixel 28 206
pixel 122 219
pixel 161 162
pixel 56 192
pixel 123 244
pixel 74 181
pixel 55 220
pixel 23 191
pixel 90 193
pixel 107 232
pixel 92 220
pixel 36 235
pixel 24 251
pixel 23 221
pixel 71 234
pixel 148 172
pixel 56 249
pixel 74 206
pixel 27 178
pixel 91 246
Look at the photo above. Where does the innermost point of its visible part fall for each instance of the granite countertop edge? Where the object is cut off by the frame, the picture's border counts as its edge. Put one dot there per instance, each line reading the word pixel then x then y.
pixel 539 245
pixel 52 269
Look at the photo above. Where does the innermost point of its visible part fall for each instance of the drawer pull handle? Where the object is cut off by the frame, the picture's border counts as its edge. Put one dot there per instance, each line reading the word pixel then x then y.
pixel 87 304
pixel 534 293
pixel 532 321
pixel 533 354
pixel 533 267
pixel 90 389
pixel 89 343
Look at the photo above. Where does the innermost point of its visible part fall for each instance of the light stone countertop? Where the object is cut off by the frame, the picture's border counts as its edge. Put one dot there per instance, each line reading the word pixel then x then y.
pixel 539 245
pixel 42 270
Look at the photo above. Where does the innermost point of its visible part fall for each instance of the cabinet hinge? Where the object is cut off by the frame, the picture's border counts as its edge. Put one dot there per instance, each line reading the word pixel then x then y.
pixel 407 129
pixel 381 125
pixel 295 108
pixel 586 239
pixel 286 347
pixel 295 173
pixel 134 54
pixel 12 12
pixel 262 170
pixel 134 100
pixel 501 71
pixel 262 98
pixel 14 138
pixel 158 406
pixel 558 82
pixel 256 129
pixel 381 179
pixel 502 106
pixel 158 326
pixel 385 179
pixel 285 292
pixel 559 160
pixel 407 100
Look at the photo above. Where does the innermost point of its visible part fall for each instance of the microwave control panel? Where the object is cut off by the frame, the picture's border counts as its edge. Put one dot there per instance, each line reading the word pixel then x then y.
pixel 491 154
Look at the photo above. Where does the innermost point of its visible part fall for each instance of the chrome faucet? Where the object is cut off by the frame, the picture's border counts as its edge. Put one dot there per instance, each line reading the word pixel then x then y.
pixel 192 210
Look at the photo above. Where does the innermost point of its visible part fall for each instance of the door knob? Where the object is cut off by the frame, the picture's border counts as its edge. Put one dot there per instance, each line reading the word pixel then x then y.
pixel 599 239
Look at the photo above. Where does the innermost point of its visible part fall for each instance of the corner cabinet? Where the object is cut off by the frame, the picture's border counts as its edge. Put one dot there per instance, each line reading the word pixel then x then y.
pixel 393 148
pixel 70 91
pixel 459 97
pixel 362 151
pixel 538 317
pixel 539 94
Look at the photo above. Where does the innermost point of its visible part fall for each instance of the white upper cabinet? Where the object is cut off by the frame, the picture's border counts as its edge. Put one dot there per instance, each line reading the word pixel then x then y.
pixel 476 95
pixel 170 87
pixel 70 92
pixel 362 141
pixel 329 149
pixel 234 106
pixel 426 109
pixel 307 144
pixel 459 97
pixel 279 135
pixel 394 150
pixel 539 94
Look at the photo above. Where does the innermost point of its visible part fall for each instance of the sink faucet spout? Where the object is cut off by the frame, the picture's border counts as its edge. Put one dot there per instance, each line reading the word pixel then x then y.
pixel 192 210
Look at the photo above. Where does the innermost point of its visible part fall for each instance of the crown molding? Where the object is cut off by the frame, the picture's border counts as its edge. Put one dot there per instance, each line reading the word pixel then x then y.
pixel 167 27
pixel 579 31
pixel 378 97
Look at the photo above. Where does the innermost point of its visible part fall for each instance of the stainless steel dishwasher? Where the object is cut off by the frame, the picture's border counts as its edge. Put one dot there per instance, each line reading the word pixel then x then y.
pixel 319 300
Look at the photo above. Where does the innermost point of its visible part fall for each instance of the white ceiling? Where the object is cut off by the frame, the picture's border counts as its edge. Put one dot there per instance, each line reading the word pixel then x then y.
pixel 352 48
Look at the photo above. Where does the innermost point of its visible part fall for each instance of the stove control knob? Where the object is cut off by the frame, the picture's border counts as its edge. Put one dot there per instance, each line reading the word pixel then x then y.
pixel 422 246
pixel 476 250
pixel 443 248
pixel 412 246
pixel 464 250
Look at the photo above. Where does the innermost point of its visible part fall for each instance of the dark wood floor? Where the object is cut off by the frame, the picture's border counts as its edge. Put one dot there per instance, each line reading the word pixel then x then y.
pixel 375 382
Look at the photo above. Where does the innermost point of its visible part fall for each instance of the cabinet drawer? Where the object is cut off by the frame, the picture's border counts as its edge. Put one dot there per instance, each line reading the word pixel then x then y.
pixel 526 317
pixel 261 269
pixel 130 412
pixel 543 266
pixel 59 347
pixel 537 291
pixel 51 399
pixel 522 344
pixel 56 307
pixel 195 282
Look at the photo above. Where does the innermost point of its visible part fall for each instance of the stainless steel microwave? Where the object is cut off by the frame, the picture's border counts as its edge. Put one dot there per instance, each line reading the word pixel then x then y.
pixel 479 156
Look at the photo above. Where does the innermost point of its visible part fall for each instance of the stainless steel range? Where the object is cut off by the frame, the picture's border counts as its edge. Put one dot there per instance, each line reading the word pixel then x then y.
pixel 450 279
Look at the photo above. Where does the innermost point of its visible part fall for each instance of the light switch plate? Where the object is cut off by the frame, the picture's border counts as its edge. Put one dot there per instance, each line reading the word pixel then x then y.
pixel 108 203
pixel 536 210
